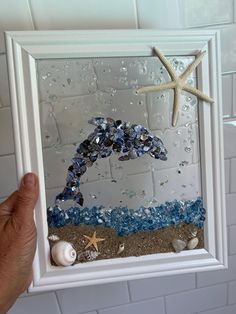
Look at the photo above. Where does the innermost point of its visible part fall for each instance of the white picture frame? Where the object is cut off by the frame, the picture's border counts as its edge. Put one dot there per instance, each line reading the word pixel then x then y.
pixel 24 48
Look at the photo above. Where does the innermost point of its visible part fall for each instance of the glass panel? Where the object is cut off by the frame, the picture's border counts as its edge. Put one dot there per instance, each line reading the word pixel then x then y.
pixel 119 183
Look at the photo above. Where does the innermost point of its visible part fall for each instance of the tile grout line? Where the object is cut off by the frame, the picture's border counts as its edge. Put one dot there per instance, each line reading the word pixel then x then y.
pixel 228 244
pixel 136 14
pixel 8 155
pixel 74 97
pixel 234 11
pixel 58 303
pixel 184 291
pixel 112 175
pixel 214 25
pixel 232 94
pixel 5 107
pixel 219 283
pixel 228 158
pixel 147 111
pixel 182 14
pixel 212 309
pixel 196 281
pixel 109 178
pixel 129 292
pixel 106 308
pixel 161 296
pixel 227 294
pixel 93 311
pixel 127 303
pixel 165 306
pixel 153 183
pixel 229 120
pixel 97 180
pixel 31 14
pixel 228 73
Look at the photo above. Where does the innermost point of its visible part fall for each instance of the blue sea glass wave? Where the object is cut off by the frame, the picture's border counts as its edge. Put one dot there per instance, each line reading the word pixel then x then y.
pixel 128 221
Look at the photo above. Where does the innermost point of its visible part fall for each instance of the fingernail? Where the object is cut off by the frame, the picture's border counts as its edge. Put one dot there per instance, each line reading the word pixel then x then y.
pixel 29 181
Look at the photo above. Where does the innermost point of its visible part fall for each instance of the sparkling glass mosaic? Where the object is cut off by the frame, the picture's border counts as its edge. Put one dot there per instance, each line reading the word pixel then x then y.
pixel 114 165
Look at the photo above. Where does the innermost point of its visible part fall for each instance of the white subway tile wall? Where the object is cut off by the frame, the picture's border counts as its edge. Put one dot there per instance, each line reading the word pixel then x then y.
pixel 14 15
pixel 7 175
pixel 150 14
pixel 85 299
pixel 233 178
pixel 202 13
pixel 206 293
pixel 149 306
pixel 227 175
pixel 228 47
pixel 214 277
pixel 232 241
pixel 222 310
pixel 38 304
pixel 234 94
pixel 229 138
pixel 227 94
pixel 157 287
pixel 231 209
pixel 197 300
pixel 6 141
pixel 4 87
pixel 234 10
pixel 85 14
pixel 232 292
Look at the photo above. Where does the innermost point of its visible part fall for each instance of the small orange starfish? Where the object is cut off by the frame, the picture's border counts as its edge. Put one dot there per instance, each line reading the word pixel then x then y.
pixel 93 241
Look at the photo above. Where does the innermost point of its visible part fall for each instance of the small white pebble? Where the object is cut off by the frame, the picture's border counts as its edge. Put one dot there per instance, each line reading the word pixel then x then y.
pixel 192 244
pixel 178 245
pixel 53 237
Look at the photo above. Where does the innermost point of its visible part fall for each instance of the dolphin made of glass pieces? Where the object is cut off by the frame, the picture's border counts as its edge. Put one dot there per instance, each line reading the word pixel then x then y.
pixel 132 140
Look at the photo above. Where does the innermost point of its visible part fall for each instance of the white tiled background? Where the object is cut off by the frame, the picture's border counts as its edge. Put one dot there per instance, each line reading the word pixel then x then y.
pixel 208 293
pixel 106 87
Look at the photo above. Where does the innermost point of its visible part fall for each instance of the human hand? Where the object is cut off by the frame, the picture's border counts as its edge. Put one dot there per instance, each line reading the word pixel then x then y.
pixel 17 241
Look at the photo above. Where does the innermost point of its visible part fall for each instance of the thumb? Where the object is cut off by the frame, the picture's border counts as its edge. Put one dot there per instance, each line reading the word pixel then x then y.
pixel 26 197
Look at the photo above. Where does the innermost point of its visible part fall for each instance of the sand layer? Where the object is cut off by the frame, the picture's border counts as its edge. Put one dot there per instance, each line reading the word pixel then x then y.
pixel 142 243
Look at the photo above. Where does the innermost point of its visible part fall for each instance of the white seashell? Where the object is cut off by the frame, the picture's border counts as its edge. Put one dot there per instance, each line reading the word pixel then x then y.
pixel 178 245
pixel 121 248
pixel 192 244
pixel 63 253
pixel 194 233
pixel 53 237
pixel 87 256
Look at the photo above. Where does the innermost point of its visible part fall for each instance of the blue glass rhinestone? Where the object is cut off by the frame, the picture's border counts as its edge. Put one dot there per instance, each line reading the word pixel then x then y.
pixel 127 221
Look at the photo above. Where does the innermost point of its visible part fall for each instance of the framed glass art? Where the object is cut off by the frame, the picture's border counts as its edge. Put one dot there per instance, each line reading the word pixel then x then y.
pixel 124 131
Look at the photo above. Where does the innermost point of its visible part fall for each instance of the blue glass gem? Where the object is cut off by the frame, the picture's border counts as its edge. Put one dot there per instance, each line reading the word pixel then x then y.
pixel 127 221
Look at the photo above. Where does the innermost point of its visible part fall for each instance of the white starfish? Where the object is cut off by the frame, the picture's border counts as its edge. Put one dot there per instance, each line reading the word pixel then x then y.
pixel 177 83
